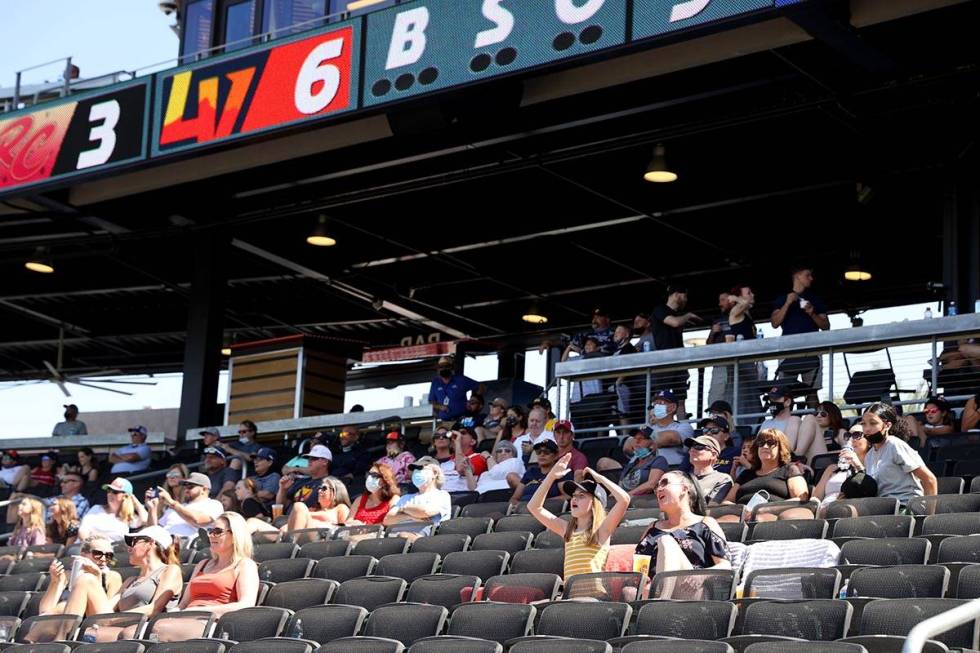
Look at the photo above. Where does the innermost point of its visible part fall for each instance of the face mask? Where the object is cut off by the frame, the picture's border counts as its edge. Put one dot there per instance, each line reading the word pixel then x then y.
pixel 418 478
pixel 775 409
pixel 372 484
pixel 874 438
pixel 642 452
pixel 659 411
pixel 511 421
pixel 445 372
pixel 244 440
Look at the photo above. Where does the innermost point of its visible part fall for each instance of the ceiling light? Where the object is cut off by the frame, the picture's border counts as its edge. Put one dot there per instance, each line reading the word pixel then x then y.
pixel 657 170
pixel 855 271
pixel 533 315
pixel 319 237
pixel 40 262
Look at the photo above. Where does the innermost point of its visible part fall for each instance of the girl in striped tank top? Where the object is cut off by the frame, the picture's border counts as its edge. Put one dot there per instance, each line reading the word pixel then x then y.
pixel 587 533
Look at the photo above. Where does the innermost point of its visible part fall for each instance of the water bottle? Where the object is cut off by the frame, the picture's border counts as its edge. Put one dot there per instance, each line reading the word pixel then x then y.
pixel 298 629
pixel 739 338
pixel 928 313
pixel 843 465
pixel 4 632
pixel 843 591
pixel 951 310
pixel 759 335
pixel 91 635
pixel 646 343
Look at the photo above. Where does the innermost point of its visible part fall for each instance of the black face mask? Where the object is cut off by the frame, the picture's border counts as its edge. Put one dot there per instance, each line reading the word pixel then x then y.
pixel 511 421
pixel 445 372
pixel 875 438
pixel 775 409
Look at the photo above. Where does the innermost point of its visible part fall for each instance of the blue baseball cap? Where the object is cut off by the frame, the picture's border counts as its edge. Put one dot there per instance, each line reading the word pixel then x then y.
pixel 266 453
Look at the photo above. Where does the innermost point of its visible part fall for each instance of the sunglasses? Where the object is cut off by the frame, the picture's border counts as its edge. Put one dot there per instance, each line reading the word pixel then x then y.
pixel 931 411
pixel 702 447
pixel 116 492
pixel 856 435
pixel 664 482
pixel 105 555
pixel 217 531
pixel 324 488
pixel 714 431
pixel 140 540
pixel 771 444
pixel 822 413
pixel 175 475
pixel 71 480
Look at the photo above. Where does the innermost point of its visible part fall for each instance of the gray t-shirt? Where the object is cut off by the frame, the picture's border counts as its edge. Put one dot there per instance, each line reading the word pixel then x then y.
pixel 714 486
pixel 674 455
pixel 892 467
pixel 70 428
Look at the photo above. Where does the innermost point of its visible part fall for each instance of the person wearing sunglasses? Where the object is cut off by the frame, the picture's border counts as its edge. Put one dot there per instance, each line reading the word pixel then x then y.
pixel 782 419
pixel 771 471
pixel 184 518
pixel 717 428
pixel 381 493
pixel 244 449
pixel 938 421
pixel 121 513
pixel 419 514
pixel 833 485
pixel 825 424
pixel 64 592
pixel 703 452
pixel 225 582
pixel 684 537
pixel 332 509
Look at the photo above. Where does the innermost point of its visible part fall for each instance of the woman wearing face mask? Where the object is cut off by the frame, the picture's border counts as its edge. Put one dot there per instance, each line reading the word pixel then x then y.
pixel 588 532
pixel 826 424
pixel 896 467
pixel 382 493
pixel 396 458
pixel 684 538
pixel 419 514
pixel 514 425
pixel 642 472
pixel 782 419
pixel 830 487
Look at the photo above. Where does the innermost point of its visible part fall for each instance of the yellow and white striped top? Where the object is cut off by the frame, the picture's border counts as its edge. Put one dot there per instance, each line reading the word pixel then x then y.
pixel 582 557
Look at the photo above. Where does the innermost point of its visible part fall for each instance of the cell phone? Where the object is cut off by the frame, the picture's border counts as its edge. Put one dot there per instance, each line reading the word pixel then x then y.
pixel 153 493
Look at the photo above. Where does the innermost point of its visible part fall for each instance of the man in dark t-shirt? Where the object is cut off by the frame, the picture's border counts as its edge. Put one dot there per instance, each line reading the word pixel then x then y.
pixel 546 452
pixel 668 322
pixel 801 311
pixel 601 332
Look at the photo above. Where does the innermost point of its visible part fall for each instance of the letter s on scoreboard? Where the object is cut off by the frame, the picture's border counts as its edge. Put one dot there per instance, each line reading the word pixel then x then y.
pixel 299 80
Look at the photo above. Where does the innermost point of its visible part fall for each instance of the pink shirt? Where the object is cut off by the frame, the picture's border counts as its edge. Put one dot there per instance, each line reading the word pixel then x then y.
pixel 399 465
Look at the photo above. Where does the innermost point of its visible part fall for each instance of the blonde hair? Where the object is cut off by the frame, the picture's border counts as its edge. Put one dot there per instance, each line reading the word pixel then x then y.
pixel 338 490
pixel 127 509
pixel 241 539
pixel 598 516
pixel 437 475
pixel 34 520
pixel 67 515
pixel 91 539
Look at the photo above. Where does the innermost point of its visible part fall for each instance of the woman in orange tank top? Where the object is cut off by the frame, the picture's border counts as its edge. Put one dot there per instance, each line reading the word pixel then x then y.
pixel 227 582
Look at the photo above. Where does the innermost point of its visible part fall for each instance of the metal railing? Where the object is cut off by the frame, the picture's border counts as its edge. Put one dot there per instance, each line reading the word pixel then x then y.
pixel 941 623
pixel 817 354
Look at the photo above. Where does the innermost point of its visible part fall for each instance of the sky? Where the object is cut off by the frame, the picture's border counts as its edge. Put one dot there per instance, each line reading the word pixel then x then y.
pixel 101 36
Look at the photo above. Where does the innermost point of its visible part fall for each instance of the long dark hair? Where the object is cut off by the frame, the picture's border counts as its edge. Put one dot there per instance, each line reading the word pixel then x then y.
pixel 886 413
pixel 833 413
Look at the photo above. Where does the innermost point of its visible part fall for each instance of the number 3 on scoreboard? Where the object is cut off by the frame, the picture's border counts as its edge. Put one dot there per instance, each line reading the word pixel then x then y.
pixel 105 134
pixel 314 70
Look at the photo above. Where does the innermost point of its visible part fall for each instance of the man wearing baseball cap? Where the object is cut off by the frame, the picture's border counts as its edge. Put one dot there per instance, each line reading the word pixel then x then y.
pixel 184 519
pixel 717 428
pixel 565 439
pixel 266 477
pixel 132 458
pixel 297 486
pixel 72 425
pixel 669 432
pixel 546 452
pixel 703 452
pixel 223 477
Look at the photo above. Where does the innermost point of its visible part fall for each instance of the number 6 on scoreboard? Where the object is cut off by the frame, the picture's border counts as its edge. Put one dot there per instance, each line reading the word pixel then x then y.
pixel 316 69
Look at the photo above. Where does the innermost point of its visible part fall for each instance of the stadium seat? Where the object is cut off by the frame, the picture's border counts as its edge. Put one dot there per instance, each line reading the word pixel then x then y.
pixel 900 582
pixel 299 594
pixel 325 549
pixel 442 544
pixel 282 570
pixel 343 568
pixel 370 591
pixel 248 624
pixel 547 561
pixel 447 590
pixel 408 566
pixel 686 619
pixel 512 542
pixel 521 588
pixel 497 622
pixel 326 623
pixel 484 564
pixel 381 547
pixel 406 622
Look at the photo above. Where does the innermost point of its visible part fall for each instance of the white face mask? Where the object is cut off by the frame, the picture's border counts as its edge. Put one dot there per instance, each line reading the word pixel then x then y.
pixel 244 440
pixel 372 484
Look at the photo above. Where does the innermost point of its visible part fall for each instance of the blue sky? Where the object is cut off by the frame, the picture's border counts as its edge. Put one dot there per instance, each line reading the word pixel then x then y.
pixel 102 36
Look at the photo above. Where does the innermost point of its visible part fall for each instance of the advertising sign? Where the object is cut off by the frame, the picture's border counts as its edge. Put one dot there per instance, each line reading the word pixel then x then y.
pixel 83 133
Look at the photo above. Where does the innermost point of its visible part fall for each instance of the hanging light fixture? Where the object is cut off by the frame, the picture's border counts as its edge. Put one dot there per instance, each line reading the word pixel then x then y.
pixel 40 261
pixel 855 271
pixel 533 315
pixel 657 170
pixel 319 237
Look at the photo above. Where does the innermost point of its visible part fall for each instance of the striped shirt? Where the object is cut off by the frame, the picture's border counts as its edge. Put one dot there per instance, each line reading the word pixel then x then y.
pixel 582 557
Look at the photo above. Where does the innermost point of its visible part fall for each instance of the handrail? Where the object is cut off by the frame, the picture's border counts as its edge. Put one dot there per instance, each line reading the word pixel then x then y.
pixel 942 622
pixel 841 341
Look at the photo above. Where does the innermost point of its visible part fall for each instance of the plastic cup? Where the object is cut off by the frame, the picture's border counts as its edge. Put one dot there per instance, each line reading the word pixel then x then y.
pixel 641 563
pixel 277 509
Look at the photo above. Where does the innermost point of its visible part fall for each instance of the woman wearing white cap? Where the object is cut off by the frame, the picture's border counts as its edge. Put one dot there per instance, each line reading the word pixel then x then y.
pixel 121 513
pixel 155 552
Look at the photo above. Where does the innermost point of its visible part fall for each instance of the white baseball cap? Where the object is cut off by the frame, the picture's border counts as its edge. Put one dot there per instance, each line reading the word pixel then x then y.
pixel 319 451
pixel 158 534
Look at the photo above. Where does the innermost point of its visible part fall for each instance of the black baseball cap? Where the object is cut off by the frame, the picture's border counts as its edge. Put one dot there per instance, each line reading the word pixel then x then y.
pixel 550 445
pixel 589 487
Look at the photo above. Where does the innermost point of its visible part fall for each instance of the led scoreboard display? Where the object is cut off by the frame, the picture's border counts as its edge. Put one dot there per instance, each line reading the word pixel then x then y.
pixel 293 81
pixel 67 137
pixel 412 49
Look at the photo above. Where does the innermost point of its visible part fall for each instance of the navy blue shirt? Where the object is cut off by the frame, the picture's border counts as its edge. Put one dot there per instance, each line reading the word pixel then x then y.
pixel 350 463
pixel 532 479
pixel 796 320
pixel 451 395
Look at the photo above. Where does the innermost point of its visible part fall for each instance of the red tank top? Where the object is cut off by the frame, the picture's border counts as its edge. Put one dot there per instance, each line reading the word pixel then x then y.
pixel 374 515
